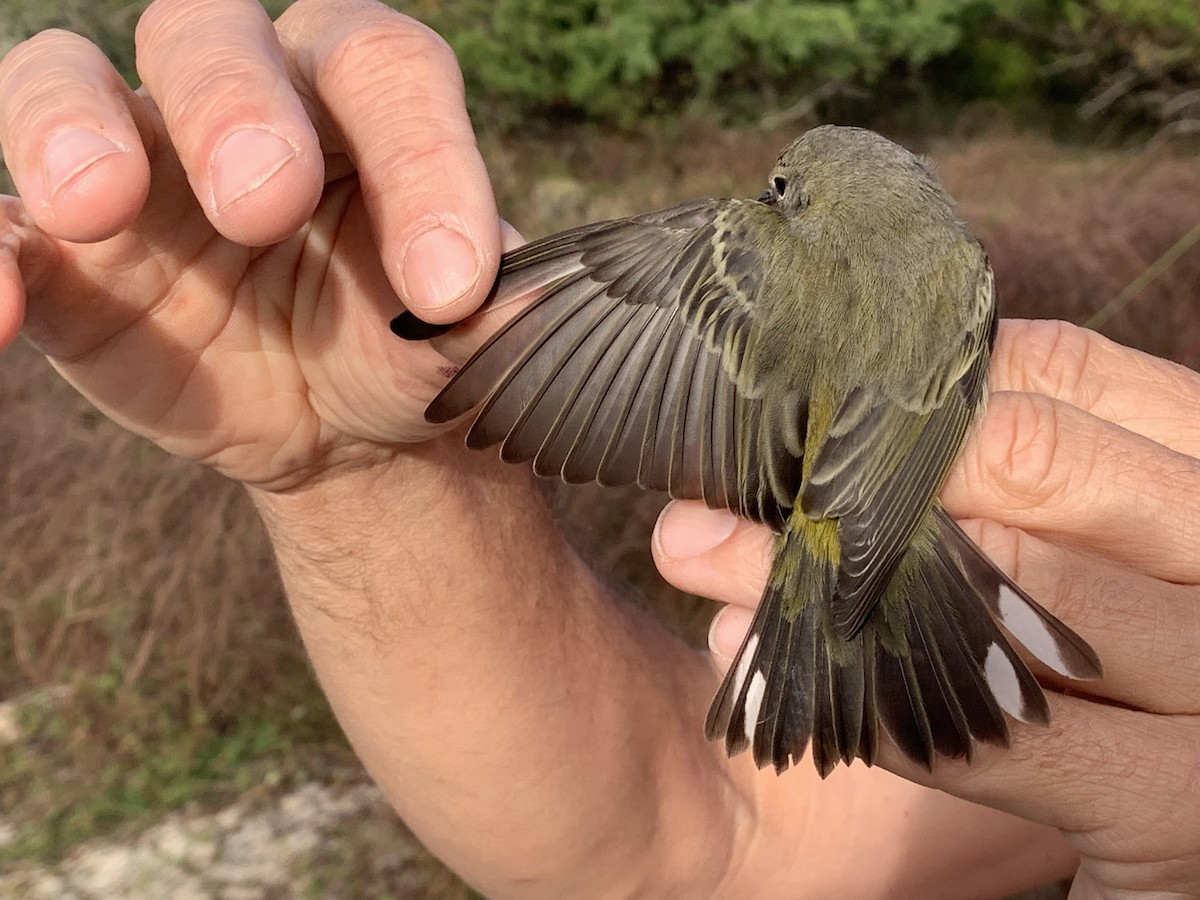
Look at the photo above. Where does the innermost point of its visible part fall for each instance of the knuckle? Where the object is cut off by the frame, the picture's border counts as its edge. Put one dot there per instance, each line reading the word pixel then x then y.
pixel 1055 358
pixel 151 22
pixel 445 153
pixel 190 72
pixel 35 96
pixel 395 40
pixel 41 57
pixel 51 42
pixel 215 87
pixel 403 171
pixel 422 162
pixel 1021 450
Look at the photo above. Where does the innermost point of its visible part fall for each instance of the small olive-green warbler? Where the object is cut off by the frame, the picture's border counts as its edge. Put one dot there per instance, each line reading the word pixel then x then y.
pixel 812 360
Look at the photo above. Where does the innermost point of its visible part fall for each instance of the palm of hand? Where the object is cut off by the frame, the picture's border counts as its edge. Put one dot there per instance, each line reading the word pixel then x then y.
pixel 271 364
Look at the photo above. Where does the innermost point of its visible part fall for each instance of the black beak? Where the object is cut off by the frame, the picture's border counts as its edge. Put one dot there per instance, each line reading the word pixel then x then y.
pixel 767 196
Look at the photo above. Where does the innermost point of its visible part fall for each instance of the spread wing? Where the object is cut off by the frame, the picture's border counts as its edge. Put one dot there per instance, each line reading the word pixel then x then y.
pixel 882 463
pixel 626 367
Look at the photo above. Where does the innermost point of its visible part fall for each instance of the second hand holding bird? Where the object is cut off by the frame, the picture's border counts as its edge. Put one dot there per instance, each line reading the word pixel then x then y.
pixel 811 360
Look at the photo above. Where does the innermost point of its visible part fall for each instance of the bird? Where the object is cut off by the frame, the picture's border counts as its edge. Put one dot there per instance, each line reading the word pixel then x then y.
pixel 812 360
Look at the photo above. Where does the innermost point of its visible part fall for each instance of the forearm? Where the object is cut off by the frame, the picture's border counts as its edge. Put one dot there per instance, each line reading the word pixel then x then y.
pixel 532 730
pixel 544 738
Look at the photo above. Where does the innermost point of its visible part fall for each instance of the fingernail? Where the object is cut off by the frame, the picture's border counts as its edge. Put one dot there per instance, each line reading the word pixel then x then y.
pixel 244 161
pixel 686 530
pixel 71 152
pixel 727 631
pixel 438 267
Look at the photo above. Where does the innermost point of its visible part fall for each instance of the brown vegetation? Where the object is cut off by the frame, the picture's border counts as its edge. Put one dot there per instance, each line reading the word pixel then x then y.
pixel 119 558
pixel 1068 231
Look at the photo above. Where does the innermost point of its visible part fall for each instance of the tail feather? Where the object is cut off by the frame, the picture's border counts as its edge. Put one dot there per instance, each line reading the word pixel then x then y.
pixel 902 708
pixel 827 734
pixel 949 728
pixel 868 741
pixel 1031 624
pixel 931 664
pixel 847 697
pixel 777 708
pixel 757 700
pixel 740 699
pixel 780 718
pixel 1007 681
pixel 795 721
pixel 963 672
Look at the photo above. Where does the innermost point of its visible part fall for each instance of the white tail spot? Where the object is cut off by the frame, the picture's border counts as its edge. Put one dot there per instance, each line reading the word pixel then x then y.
pixel 754 699
pixel 1031 630
pixel 1002 679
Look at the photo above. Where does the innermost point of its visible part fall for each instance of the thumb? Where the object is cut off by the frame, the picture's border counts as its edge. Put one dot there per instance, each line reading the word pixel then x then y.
pixel 715 554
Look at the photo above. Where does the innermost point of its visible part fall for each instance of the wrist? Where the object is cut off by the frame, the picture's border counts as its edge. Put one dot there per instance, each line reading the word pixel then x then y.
pixel 405 501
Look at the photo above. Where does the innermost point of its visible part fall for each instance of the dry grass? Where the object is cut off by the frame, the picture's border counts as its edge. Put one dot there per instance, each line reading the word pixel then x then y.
pixel 1067 231
pixel 121 559
pixel 125 568
pixel 146 586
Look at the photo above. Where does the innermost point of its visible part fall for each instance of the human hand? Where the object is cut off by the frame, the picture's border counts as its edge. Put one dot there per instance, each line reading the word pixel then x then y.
pixel 1083 482
pixel 194 256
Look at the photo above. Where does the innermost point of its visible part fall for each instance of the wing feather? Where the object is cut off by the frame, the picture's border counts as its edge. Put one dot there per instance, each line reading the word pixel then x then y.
pixel 618 427
pixel 571 455
pixel 624 460
pixel 625 368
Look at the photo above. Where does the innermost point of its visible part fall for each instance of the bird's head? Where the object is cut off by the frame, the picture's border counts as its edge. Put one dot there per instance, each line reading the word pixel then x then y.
pixel 856 177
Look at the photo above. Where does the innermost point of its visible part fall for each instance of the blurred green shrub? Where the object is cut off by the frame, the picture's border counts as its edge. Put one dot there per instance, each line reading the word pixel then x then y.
pixel 1123 60
pixel 620 60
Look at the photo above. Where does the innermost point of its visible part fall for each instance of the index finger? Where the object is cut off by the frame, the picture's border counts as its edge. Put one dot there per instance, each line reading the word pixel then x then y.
pixel 217 74
pixel 1152 397
pixel 392 90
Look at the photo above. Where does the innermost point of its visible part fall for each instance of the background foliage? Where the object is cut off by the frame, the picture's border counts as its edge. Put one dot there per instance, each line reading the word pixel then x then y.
pixel 619 60
pixel 1110 65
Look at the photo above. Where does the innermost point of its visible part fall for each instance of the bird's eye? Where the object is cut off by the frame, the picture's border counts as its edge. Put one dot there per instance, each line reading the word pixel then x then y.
pixel 780 185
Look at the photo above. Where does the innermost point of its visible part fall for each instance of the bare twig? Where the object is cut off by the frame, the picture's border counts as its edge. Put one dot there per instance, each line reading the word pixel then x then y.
pixel 1147 275
pixel 806 105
